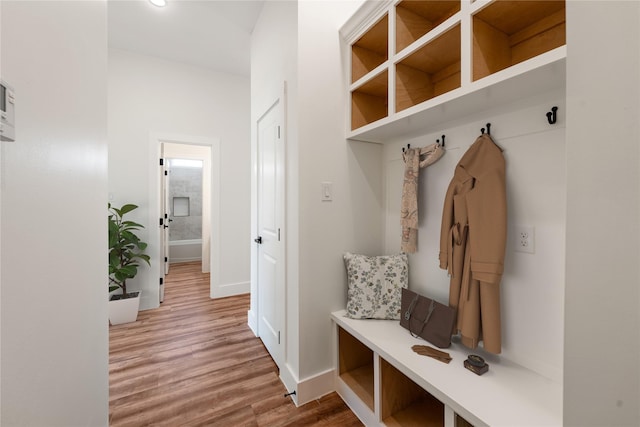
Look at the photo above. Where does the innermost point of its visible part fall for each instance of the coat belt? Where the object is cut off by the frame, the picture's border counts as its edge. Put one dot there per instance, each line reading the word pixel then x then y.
pixel 457 235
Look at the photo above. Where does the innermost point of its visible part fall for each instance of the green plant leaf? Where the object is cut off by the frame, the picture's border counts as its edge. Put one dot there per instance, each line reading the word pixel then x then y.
pixel 126 209
pixel 125 247
pixel 131 224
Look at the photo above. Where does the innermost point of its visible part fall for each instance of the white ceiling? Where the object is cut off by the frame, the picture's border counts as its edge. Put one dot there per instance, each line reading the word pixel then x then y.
pixel 215 34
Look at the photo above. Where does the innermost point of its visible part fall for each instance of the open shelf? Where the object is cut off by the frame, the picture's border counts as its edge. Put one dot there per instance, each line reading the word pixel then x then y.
pixel 355 366
pixel 370 102
pixel 404 403
pixel 370 50
pixel 446 60
pixel 415 18
pixel 430 71
pixel 506 33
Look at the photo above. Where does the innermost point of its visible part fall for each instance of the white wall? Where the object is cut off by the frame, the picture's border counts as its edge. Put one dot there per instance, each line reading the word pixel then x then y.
pixel 273 62
pixel 153 96
pixel 532 287
pixel 601 354
pixel 353 220
pixel 53 197
pixel 299 43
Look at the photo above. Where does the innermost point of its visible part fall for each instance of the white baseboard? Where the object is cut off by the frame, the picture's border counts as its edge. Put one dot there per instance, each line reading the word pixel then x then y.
pixel 148 302
pixel 316 386
pixel 175 260
pixel 231 289
pixel 309 389
pixel 290 381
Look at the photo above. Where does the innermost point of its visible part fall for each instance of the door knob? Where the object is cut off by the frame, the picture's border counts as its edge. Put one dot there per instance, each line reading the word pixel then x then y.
pixel 258 240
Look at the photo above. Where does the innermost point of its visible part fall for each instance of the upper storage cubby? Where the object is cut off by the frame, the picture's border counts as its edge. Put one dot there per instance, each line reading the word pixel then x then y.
pixel 370 50
pixel 415 64
pixel 430 71
pixel 415 18
pixel 369 102
pixel 506 33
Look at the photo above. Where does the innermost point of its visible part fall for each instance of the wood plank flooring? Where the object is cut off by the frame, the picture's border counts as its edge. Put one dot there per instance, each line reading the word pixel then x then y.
pixel 195 362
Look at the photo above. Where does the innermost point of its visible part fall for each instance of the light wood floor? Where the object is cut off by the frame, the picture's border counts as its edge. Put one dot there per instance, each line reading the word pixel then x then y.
pixel 195 362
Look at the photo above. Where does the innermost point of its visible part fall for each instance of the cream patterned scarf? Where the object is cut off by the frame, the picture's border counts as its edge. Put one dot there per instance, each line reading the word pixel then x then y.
pixel 414 158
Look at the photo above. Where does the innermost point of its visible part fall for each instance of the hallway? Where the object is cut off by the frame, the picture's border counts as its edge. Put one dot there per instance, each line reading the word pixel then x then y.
pixel 195 362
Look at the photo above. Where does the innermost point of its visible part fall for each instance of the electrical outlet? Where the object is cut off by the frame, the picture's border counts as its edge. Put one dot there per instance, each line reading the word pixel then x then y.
pixel 524 239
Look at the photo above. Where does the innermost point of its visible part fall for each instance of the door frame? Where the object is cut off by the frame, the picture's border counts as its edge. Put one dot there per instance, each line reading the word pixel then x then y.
pixel 202 153
pixel 278 96
pixel 155 203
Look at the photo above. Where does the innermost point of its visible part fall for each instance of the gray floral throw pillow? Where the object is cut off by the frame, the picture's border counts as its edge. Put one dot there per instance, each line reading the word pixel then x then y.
pixel 375 284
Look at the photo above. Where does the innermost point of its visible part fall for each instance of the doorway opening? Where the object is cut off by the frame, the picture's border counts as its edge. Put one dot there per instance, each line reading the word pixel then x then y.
pixel 192 207
pixel 186 192
pixel 185 222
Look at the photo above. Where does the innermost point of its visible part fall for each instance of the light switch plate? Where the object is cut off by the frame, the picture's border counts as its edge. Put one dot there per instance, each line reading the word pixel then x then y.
pixel 327 191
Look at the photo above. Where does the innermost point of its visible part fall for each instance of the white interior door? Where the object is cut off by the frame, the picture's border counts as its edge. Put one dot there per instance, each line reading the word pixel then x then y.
pixel 164 228
pixel 270 241
pixel 167 215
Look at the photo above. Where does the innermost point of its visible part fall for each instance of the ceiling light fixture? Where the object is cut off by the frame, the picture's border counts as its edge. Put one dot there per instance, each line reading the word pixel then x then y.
pixel 159 3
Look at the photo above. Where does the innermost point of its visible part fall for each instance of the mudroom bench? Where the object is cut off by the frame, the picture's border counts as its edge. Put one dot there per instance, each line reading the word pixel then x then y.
pixel 386 384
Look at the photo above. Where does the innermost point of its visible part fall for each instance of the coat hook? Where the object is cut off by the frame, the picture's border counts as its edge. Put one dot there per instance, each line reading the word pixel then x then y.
pixel 488 129
pixel 438 141
pixel 408 146
pixel 551 115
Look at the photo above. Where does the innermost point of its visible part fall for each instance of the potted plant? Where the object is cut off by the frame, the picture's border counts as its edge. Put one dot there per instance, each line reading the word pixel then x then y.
pixel 126 251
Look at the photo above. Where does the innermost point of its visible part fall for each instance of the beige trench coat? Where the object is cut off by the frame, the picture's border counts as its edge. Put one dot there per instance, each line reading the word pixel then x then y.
pixel 473 240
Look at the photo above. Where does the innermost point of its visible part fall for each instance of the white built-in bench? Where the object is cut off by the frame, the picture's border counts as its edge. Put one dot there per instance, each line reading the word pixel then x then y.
pixel 385 383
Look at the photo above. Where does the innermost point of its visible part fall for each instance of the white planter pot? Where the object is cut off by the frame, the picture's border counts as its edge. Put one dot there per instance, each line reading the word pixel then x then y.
pixel 124 310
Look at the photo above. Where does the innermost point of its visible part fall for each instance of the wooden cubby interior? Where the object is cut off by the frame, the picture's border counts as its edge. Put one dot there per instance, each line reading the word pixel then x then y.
pixel 404 403
pixel 415 18
pixel 430 71
pixel 461 422
pixel 370 50
pixel 370 102
pixel 355 366
pixel 506 33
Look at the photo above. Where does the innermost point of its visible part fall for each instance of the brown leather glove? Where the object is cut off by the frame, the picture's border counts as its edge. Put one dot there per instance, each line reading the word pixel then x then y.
pixel 425 350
